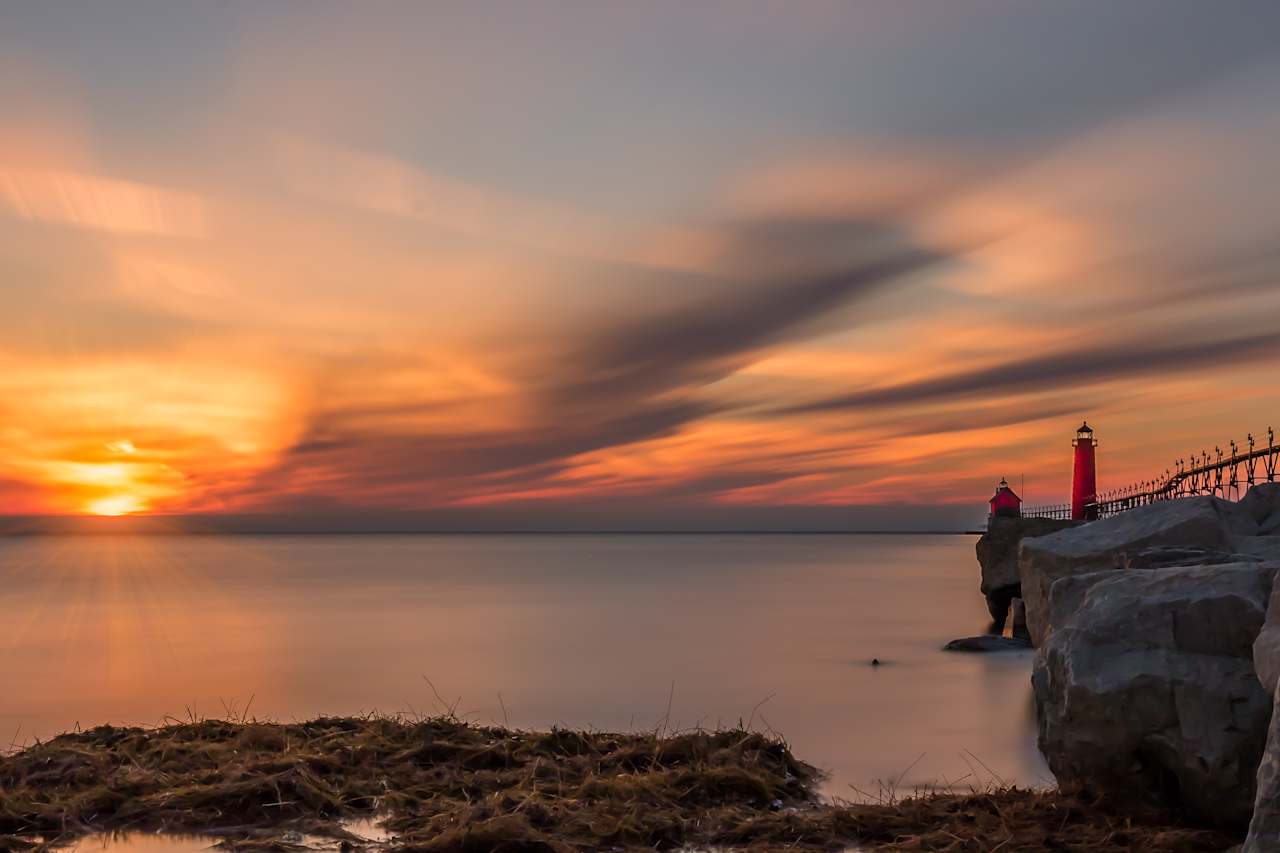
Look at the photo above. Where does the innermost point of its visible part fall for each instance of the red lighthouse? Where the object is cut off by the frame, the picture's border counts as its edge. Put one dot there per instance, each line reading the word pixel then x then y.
pixel 1084 476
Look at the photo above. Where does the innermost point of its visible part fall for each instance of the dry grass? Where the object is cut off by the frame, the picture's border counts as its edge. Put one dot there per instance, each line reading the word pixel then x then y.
pixel 450 787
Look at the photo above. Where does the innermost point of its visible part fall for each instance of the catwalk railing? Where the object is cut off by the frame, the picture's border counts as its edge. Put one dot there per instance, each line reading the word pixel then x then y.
pixel 1223 474
pixel 1059 511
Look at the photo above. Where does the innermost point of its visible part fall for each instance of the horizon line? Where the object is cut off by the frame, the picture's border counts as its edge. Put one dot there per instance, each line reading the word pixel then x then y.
pixel 154 531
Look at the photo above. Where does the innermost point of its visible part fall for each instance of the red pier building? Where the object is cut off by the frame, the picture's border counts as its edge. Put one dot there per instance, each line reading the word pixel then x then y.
pixel 1005 503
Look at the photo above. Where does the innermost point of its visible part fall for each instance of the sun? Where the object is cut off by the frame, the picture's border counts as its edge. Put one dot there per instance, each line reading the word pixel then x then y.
pixel 120 504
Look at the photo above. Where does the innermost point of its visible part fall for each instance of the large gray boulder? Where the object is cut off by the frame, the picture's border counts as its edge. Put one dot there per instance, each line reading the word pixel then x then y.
pixel 997 551
pixel 1262 503
pixel 1168 558
pixel 1204 523
pixel 1264 829
pixel 1266 647
pixel 1146 686
pixel 1259 547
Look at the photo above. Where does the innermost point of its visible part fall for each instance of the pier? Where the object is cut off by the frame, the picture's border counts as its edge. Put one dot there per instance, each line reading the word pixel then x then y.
pixel 1224 474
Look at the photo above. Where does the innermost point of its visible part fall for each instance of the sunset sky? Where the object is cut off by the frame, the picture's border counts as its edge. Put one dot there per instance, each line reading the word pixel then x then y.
pixel 621 265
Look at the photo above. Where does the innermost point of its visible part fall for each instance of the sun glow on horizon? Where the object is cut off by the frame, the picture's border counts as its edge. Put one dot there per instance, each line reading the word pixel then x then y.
pixel 113 505
pixel 129 490
pixel 110 435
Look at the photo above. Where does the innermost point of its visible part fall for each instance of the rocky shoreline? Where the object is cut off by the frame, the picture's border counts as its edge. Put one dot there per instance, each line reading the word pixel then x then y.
pixel 442 785
pixel 1157 636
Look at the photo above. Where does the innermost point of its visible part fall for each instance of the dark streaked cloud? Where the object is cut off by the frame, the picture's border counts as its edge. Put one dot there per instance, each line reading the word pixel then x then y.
pixel 374 457
pixel 1061 369
pixel 817 266
pixel 636 379
pixel 980 418
pixel 1240 272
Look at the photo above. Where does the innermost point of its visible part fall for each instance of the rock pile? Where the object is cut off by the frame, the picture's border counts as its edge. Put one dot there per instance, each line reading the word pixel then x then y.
pixel 1147 685
pixel 1158 656
pixel 1190 531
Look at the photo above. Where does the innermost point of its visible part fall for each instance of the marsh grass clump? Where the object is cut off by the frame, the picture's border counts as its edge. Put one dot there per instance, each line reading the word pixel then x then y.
pixel 447 786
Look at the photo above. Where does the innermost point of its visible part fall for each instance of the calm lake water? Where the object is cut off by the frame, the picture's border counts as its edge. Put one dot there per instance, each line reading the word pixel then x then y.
pixel 603 631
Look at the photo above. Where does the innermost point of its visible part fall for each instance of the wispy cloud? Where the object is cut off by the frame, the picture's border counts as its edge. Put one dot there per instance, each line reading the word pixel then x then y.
pixel 101 204
pixel 367 268
pixel 390 186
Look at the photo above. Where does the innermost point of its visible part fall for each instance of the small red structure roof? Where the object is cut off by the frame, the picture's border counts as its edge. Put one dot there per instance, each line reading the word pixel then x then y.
pixel 1004 499
pixel 1003 488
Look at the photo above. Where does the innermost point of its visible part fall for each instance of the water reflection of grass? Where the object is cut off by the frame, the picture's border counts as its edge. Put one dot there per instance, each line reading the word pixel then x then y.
pixel 441 784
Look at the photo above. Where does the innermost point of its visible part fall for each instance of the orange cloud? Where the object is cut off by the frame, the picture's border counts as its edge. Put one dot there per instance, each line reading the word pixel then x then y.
pixel 387 185
pixel 365 329
pixel 101 204
pixel 116 436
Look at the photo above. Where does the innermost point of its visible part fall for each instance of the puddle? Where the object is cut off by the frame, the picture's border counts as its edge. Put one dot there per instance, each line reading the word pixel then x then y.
pixel 146 842
pixel 368 829
pixel 139 842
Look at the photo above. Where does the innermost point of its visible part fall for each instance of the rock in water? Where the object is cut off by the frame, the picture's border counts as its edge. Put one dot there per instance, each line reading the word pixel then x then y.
pixel 1020 621
pixel 1204 523
pixel 998 556
pixel 988 643
pixel 1146 688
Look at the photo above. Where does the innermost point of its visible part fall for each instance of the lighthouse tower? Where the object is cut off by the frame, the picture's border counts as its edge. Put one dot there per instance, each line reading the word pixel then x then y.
pixel 1084 475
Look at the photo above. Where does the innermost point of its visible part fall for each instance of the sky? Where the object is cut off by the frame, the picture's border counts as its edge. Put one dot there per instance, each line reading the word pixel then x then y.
pixel 613 265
